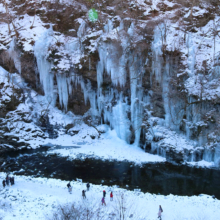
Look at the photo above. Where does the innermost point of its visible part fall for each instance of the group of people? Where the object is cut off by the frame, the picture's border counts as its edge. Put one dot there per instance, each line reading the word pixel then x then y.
pixel 103 198
pixel 84 193
pixel 8 180
pixel 104 195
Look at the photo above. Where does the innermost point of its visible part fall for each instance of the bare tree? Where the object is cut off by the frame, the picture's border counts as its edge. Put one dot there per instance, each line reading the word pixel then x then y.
pixel 121 207
pixel 79 211
pixel 10 19
pixel 32 25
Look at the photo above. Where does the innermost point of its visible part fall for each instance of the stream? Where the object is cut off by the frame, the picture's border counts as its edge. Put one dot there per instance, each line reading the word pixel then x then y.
pixel 159 178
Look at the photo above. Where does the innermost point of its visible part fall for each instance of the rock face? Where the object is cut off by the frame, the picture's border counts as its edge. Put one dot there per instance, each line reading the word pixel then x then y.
pixel 151 73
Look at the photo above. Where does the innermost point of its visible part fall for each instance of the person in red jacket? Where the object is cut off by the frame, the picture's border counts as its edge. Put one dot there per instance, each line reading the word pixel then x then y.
pixel 104 193
pixel 103 201
pixel 111 196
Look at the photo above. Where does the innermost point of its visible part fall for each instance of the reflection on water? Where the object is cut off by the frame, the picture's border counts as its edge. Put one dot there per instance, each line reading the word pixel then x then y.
pixel 163 178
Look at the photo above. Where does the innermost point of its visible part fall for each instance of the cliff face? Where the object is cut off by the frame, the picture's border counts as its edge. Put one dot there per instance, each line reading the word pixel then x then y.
pixel 149 69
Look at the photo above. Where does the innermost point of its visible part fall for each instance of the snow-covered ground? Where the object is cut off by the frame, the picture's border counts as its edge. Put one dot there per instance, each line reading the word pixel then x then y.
pixel 37 198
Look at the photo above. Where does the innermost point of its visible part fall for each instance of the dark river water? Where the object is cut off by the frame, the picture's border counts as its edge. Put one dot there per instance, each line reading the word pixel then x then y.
pixel 158 178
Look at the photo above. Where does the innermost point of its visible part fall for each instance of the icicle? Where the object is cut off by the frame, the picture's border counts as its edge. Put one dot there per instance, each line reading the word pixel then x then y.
pixel 88 92
pixel 131 29
pixel 100 66
pixel 120 121
pixel 14 55
pixel 157 54
pixel 108 27
pixel 89 95
pixel 208 155
pixel 121 27
pixel 155 148
pixel 113 67
pixel 82 29
pixel 217 155
pixel 169 111
pixel 62 90
pixel 72 46
pixel 44 67
pixel 191 54
pixel 136 96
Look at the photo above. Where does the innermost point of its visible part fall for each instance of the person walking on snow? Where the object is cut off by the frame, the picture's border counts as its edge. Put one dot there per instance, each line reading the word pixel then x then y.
pixel 104 193
pixel 3 183
pixel 88 185
pixel 111 196
pixel 7 180
pixel 13 180
pixel 68 185
pixel 103 201
pixel 84 194
pixel 160 212
pixel 70 189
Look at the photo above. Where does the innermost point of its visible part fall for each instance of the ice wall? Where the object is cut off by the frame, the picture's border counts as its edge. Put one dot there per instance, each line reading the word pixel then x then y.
pixel 112 64
pixel 119 98
pixel 111 104
pixel 65 81
pixel 184 114
pixel 119 64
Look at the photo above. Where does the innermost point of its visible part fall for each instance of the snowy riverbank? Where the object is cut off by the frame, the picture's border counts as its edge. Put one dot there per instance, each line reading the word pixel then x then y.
pixel 107 147
pixel 37 198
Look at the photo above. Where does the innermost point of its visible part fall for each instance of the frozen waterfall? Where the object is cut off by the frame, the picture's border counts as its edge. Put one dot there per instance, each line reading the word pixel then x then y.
pixel 120 99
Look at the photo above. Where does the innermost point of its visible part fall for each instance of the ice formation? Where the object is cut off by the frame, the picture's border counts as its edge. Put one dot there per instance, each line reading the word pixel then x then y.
pixel 120 69
pixel 14 55
pixel 41 48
